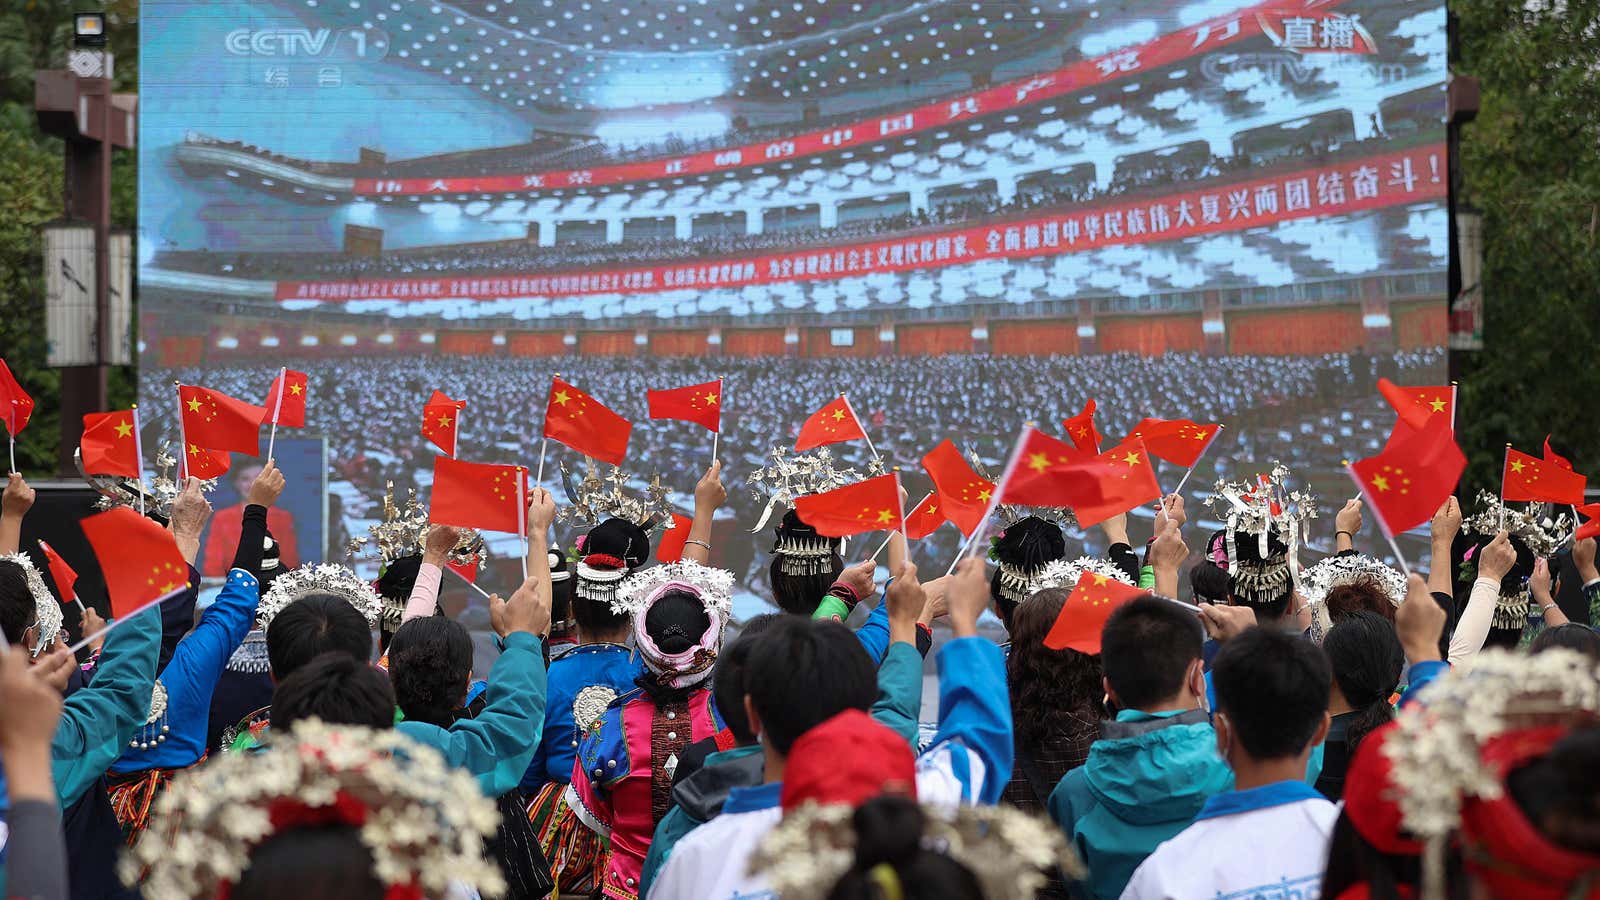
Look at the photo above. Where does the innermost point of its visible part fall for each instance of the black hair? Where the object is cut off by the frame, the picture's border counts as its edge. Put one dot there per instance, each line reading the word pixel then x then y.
pixel 312 626
pixel 727 680
pixel 802 594
pixel 803 672
pixel 327 862
pixel 1146 649
pixel 17 611
pixel 1054 693
pixel 1209 582
pixel 394 586
pixel 889 833
pixel 430 660
pixel 1250 585
pixel 1028 544
pixel 1273 688
pixel 1352 862
pixel 1557 791
pixel 595 616
pixel 336 688
pixel 1367 659
pixel 676 621
pixel 1572 636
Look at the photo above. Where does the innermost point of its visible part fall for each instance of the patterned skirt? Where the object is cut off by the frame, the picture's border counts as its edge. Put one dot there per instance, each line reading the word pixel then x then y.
pixel 132 796
pixel 577 855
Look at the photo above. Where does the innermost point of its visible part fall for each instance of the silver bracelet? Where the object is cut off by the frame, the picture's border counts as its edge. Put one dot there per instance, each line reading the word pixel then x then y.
pixel 699 543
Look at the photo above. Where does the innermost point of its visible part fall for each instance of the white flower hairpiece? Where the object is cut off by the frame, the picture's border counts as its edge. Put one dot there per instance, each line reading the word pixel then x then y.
pixel 1064 573
pixel 1334 571
pixel 1436 749
pixel 1007 850
pixel 423 821
pixel 715 587
pixel 46 610
pixel 319 579
pixel 1543 533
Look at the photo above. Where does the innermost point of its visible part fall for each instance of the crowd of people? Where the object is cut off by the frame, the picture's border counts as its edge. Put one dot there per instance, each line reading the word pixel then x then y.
pixel 1307 411
pixel 1337 729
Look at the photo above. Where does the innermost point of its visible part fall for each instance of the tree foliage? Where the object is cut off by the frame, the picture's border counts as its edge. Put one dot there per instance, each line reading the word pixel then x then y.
pixel 1531 163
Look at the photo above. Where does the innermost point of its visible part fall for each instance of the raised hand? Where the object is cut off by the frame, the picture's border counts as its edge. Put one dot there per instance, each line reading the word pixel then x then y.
pixel 18 497
pixel 1224 622
pixel 709 492
pixel 264 491
pixel 967 596
pixel 1348 522
pixel 859 577
pixel 1419 622
pixel 541 510
pixel 905 600
pixel 1446 522
pixel 441 540
pixel 1497 558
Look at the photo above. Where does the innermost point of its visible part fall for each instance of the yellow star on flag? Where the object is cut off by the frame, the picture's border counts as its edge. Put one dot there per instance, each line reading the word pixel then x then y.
pixel 194 405
pixel 1131 458
pixel 295 389
pixel 1517 466
pixel 562 397
pixel 711 399
pixel 124 429
pixel 1380 482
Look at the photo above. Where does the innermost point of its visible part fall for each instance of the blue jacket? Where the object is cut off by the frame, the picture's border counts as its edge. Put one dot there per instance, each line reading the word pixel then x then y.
pixel 1144 781
pixel 611 666
pixel 495 746
pixel 191 676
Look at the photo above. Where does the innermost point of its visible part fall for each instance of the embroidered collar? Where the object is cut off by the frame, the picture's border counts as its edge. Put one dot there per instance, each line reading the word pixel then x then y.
pixel 1279 793
pixel 753 799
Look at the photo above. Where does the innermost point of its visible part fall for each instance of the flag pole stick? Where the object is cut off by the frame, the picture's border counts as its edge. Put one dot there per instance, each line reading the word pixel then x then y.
pixel 183 440
pixel 522 516
pixel 277 409
pixel 539 479
pixel 138 452
pixel 716 436
pixel 12 439
pixel 1377 513
pixel 471 584
pixel 994 501
pixel 1203 452
pixel 88 639
pixel 1504 464
pixel 962 553
pixel 876 553
pixel 1454 395
pixel 867 437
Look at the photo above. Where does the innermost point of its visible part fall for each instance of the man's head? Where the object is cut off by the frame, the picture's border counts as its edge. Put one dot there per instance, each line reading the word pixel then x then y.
pixel 430 663
pixel 314 625
pixel 336 688
pixel 727 680
pixel 1150 652
pixel 1272 696
pixel 800 674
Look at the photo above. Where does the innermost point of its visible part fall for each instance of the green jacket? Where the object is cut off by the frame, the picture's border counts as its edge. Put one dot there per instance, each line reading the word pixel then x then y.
pixel 99 719
pixel 494 746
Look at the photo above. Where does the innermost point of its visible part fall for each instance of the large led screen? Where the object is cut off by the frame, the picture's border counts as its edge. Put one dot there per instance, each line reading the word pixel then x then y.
pixel 966 215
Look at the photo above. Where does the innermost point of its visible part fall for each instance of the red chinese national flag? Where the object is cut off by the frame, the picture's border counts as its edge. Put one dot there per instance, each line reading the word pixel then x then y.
pixel 586 425
pixel 467 568
pixel 205 464
pixel 1083 617
pixel 286 399
pixel 1081 431
pixel 831 424
pixel 1591 528
pixel 140 559
pixel 962 494
pixel 1416 407
pixel 1040 474
pixel 110 444
pixel 61 573
pixel 926 518
pixel 697 403
pixel 1178 441
pixel 1529 478
pixel 213 420
pixel 478 495
pixel 1551 456
pixel 1113 482
pixel 871 505
pixel 440 416
pixel 1406 482
pixel 16 407
pixel 669 548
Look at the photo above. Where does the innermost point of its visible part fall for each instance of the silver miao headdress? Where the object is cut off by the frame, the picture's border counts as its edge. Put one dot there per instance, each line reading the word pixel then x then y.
pixel 403 531
pixel 788 476
pixel 595 498
pixel 311 578
pixel 1538 527
pixel 1335 571
pixel 116 490
pixel 1064 573
pixel 46 611
pixel 1266 513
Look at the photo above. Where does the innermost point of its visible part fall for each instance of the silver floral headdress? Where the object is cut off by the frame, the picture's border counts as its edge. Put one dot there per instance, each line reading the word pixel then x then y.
pixel 1261 508
pixel 311 578
pixel 46 611
pixel 403 531
pixel 593 499
pixel 715 587
pixel 1006 849
pixel 1334 571
pixel 789 476
pixel 1536 525
pixel 115 490
pixel 424 821
pixel 1435 751
pixel 1064 573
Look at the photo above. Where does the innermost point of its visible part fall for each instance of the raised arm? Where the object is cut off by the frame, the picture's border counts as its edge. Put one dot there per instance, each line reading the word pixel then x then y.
pixel 709 495
pixel 900 675
pixel 1347 522
pixel 1442 533
pixel 541 515
pixel 190 513
pixel 1166 559
pixel 29 711
pixel 436 549
pixel 1494 561
pixel 14 504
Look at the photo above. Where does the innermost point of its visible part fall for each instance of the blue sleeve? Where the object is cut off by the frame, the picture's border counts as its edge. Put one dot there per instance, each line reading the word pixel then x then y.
pixel 223 626
pixel 98 720
pixel 874 633
pixel 1420 675
pixel 975 713
pixel 536 777
pixel 900 691
pixel 497 745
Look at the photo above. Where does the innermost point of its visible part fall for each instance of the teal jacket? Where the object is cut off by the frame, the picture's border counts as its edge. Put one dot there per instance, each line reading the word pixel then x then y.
pixel 98 720
pixel 898 705
pixel 1144 781
pixel 494 746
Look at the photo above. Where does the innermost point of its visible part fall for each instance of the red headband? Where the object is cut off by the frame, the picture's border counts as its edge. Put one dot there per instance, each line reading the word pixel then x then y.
pixel 287 813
